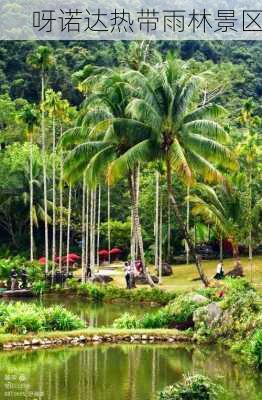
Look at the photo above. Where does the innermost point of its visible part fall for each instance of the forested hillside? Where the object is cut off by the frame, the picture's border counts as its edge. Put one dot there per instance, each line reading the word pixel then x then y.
pixel 232 72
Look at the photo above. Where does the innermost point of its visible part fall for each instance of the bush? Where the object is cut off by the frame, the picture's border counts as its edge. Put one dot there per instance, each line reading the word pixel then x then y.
pixel 196 387
pixel 96 292
pixel 179 312
pixel 59 319
pixel 127 321
pixel 34 270
pixel 22 318
pixel 255 349
pixel 39 287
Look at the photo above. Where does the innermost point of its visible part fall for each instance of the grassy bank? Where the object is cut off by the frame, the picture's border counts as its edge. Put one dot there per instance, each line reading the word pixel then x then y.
pixel 101 334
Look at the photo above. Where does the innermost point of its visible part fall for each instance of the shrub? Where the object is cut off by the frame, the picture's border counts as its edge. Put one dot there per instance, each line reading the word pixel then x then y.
pixel 22 318
pixel 59 319
pixel 34 270
pixel 94 292
pixel 39 287
pixel 182 308
pixel 196 387
pixel 255 349
pixel 127 321
pixel 98 292
pixel 180 311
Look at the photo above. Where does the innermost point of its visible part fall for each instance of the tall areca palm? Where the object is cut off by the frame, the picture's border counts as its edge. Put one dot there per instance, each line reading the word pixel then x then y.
pixel 182 132
pixel 29 116
pixel 53 106
pixel 42 59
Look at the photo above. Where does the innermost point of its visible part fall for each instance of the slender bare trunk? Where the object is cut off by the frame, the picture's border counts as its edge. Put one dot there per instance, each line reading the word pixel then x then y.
pixel 221 248
pixel 87 255
pixel 83 229
pixel 91 228
pixel 198 263
pixel 168 231
pixel 132 239
pixel 250 250
pixel 68 227
pixel 98 227
pixel 137 226
pixel 187 223
pixel 157 223
pixel 44 169
pixel 31 200
pixel 61 207
pixel 54 193
pixel 108 223
pixel 160 239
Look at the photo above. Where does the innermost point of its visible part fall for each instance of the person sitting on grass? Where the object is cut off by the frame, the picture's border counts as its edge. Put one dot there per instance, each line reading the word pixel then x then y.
pixel 219 271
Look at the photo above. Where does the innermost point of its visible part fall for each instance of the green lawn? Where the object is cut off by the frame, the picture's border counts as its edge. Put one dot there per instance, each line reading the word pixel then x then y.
pixel 183 278
pixel 184 275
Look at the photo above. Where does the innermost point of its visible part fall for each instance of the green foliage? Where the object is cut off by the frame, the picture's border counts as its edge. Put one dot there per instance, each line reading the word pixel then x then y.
pixel 96 292
pixel 7 264
pixel 241 298
pixel 120 233
pixel 93 292
pixel 22 318
pixel 59 319
pixel 34 270
pixel 255 349
pixel 39 287
pixel 195 387
pixel 176 312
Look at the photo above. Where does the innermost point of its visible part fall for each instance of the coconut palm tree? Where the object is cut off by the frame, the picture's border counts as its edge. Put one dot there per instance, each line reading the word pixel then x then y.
pixel 29 116
pixel 182 131
pixel 98 141
pixel 42 59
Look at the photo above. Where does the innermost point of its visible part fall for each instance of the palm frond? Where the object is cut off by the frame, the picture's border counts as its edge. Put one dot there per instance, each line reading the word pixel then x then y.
pixel 208 128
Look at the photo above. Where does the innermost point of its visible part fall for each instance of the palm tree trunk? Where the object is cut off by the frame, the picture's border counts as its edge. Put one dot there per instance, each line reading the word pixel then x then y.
pixel 250 250
pixel 187 223
pixel 132 239
pixel 83 228
pixel 94 231
pixel 108 223
pixel 44 169
pixel 157 223
pixel 61 208
pixel 198 263
pixel 168 231
pixel 160 239
pixel 31 200
pixel 221 248
pixel 87 255
pixel 54 196
pixel 137 226
pixel 98 227
pixel 68 227
pixel 91 228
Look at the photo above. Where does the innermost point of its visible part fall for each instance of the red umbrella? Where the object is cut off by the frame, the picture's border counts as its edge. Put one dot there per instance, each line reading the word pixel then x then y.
pixel 115 250
pixel 73 256
pixel 103 253
pixel 42 260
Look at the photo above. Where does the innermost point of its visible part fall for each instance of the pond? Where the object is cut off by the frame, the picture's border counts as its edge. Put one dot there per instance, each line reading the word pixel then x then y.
pixel 118 372
pixel 95 315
